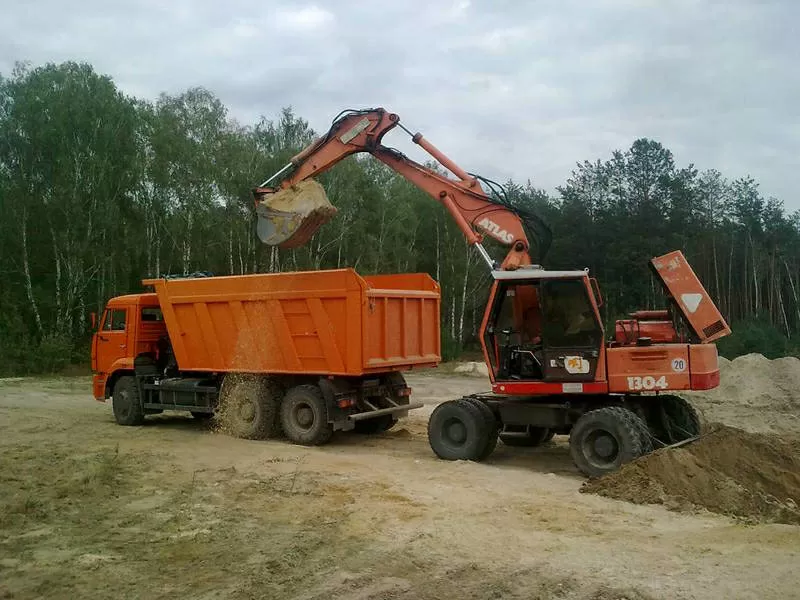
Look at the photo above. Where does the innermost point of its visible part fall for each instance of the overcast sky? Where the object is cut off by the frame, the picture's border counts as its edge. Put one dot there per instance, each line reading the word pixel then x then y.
pixel 506 88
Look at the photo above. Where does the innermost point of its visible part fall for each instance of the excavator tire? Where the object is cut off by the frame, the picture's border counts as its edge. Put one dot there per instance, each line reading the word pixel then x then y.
pixel 457 430
pixel 125 402
pixel 603 440
pixel 679 419
pixel 304 416
pixel 670 419
pixel 248 406
pixel 526 436
pixel 491 424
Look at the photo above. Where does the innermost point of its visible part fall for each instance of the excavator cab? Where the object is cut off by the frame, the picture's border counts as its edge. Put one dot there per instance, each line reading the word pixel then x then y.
pixel 543 326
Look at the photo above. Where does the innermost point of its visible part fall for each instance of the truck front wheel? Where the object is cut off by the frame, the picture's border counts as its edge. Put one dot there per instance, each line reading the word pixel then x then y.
pixel 126 403
pixel 304 416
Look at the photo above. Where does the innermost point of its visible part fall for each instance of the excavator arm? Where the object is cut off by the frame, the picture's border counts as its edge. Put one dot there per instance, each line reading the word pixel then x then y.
pixel 475 213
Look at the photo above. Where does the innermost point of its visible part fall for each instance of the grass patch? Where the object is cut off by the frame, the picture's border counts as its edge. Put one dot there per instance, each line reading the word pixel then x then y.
pixel 37 483
pixel 77 522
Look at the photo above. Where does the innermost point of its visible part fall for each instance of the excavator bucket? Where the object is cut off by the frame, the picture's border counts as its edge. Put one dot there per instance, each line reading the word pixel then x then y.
pixel 289 217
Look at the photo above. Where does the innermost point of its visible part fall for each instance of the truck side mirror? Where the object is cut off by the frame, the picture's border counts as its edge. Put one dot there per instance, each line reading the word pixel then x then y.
pixel 93 316
pixel 596 289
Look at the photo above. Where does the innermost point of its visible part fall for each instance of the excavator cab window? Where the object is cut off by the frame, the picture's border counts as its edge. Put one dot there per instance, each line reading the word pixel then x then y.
pixel 544 330
pixel 571 331
pixel 515 339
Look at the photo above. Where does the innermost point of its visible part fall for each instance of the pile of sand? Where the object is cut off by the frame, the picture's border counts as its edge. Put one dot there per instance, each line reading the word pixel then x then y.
pixel 755 394
pixel 727 471
pixel 755 381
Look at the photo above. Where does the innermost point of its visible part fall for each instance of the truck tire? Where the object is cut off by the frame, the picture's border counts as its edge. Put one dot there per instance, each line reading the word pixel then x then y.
pixel 304 416
pixel 457 430
pixel 603 440
pixel 376 425
pixel 528 436
pixel 248 406
pixel 126 403
pixel 491 424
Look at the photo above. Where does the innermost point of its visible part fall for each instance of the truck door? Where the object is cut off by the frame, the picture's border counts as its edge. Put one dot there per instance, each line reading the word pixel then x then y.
pixel 571 331
pixel 112 338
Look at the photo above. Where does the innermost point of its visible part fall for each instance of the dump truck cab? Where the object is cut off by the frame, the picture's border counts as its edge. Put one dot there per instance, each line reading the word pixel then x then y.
pixel 130 326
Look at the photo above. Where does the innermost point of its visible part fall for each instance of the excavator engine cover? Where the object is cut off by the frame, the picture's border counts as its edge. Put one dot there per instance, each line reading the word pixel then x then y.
pixel 289 217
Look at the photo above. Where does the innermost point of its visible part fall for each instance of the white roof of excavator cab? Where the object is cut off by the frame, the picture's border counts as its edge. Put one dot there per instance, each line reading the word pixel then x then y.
pixel 536 272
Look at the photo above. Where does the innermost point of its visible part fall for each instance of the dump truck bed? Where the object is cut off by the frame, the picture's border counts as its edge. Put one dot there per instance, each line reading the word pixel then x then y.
pixel 318 322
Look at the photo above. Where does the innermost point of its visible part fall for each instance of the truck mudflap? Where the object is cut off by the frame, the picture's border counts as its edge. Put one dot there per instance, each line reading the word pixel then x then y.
pixel 346 405
pixel 392 410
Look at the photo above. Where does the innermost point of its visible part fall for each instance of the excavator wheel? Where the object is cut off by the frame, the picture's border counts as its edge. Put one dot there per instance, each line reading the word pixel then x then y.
pixel 248 406
pixel 673 420
pixel 491 423
pixel 526 436
pixel 458 430
pixel 603 440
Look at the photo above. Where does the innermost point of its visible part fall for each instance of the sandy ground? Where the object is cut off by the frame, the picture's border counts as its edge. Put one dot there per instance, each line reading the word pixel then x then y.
pixel 89 509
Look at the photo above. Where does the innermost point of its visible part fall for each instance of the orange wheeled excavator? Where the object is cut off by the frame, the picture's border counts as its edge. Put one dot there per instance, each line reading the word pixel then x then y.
pixel 551 366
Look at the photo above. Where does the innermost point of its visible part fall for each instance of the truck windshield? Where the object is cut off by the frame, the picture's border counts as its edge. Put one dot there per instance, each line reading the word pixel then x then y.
pixel 115 320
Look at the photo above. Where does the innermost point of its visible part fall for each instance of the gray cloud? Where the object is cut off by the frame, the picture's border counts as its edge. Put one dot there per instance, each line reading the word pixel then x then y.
pixel 506 88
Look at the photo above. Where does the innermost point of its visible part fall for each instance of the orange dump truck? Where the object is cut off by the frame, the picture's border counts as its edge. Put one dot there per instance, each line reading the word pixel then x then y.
pixel 305 353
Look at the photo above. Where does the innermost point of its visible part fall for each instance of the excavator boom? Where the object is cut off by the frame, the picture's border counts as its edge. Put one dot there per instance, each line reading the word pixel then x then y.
pixel 292 210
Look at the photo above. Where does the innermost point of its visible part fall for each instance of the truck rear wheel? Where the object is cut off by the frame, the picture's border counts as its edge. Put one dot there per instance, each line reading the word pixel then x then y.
pixel 126 403
pixel 525 436
pixel 304 416
pixel 603 440
pixel 248 406
pixel 458 430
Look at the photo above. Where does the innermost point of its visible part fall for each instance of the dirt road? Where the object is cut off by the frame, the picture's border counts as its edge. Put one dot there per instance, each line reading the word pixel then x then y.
pixel 171 509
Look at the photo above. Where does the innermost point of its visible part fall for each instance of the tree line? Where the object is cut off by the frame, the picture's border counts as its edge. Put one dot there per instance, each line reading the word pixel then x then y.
pixel 99 190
